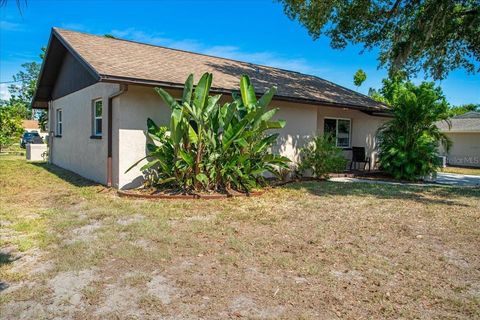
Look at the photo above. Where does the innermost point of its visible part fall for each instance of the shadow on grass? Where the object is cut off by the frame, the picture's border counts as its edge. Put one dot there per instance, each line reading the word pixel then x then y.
pixel 427 195
pixel 66 175
pixel 6 258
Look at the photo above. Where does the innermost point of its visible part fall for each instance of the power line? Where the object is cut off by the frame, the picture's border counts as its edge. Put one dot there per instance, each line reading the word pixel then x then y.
pixel 12 81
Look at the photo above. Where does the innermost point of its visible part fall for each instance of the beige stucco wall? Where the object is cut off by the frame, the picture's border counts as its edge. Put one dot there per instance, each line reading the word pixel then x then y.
pixel 303 121
pixel 75 150
pixel 363 128
pixel 300 127
pixel 465 150
pixel 134 107
pixel 139 103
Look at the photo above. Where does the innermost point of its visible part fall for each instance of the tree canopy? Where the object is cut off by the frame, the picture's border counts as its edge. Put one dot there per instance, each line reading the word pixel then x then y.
pixel 25 81
pixel 359 77
pixel 464 108
pixel 435 36
pixel 10 126
pixel 408 143
pixel 22 89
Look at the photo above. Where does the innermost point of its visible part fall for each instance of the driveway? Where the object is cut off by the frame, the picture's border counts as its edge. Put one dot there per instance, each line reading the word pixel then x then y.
pixel 451 179
pixel 455 179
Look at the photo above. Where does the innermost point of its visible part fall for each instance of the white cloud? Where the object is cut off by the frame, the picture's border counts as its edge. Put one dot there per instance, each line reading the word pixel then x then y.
pixel 10 26
pixel 225 51
pixel 155 39
pixel 263 57
pixel 4 94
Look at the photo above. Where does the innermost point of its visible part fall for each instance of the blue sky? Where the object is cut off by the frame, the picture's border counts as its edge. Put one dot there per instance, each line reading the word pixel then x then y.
pixel 253 31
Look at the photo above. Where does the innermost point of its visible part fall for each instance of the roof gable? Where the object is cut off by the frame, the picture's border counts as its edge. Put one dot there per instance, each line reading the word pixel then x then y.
pixel 62 72
pixel 122 61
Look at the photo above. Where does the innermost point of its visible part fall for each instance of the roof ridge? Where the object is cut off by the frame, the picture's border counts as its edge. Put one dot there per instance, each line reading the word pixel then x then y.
pixel 216 57
pixel 468 115
pixel 185 51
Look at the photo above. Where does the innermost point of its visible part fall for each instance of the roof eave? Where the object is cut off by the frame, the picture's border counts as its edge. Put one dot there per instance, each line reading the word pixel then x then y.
pixel 385 112
pixel 35 99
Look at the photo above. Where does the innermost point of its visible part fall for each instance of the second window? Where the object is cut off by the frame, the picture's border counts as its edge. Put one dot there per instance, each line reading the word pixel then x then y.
pixel 339 129
pixel 97 117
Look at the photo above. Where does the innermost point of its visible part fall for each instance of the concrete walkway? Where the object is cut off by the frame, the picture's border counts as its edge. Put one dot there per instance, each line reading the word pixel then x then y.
pixel 455 179
pixel 450 179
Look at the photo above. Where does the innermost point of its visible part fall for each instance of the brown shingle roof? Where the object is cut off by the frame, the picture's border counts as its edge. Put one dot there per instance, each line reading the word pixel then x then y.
pixel 117 60
pixel 30 124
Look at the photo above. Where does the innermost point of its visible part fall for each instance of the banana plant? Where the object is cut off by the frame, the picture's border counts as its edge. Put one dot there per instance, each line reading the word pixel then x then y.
pixel 208 146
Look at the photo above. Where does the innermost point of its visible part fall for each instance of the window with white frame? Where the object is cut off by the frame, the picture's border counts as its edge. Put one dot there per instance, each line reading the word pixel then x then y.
pixel 340 130
pixel 97 118
pixel 59 124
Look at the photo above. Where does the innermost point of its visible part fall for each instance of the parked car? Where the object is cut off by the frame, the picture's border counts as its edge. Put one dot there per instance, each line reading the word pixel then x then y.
pixel 31 137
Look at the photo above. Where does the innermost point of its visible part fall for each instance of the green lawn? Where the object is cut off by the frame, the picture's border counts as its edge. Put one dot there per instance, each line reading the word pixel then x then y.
pixel 73 249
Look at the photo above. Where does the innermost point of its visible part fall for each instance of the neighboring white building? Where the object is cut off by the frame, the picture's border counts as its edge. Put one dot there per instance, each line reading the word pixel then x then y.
pixel 33 126
pixel 99 93
pixel 464 132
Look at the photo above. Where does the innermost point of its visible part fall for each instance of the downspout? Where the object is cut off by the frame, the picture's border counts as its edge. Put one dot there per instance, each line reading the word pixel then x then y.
pixel 123 88
pixel 51 130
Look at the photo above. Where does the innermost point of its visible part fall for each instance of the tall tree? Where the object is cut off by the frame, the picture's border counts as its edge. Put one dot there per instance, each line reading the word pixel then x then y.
pixel 435 36
pixel 23 88
pixel 408 143
pixel 10 126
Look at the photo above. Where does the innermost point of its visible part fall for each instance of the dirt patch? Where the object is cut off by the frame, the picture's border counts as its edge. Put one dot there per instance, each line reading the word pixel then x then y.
pixel 133 219
pixel 144 244
pixel 121 301
pixel 347 275
pixel 161 288
pixel 454 258
pixel 61 297
pixel 24 310
pixel 244 306
pixel 32 262
pixel 84 233
pixel 200 218
pixel 67 290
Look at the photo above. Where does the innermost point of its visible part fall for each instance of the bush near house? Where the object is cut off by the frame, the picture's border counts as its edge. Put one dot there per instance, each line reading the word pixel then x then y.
pixel 409 142
pixel 10 126
pixel 209 147
pixel 321 156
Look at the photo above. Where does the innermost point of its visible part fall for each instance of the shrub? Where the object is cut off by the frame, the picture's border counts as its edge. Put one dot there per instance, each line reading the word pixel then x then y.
pixel 409 142
pixel 321 157
pixel 10 126
pixel 212 147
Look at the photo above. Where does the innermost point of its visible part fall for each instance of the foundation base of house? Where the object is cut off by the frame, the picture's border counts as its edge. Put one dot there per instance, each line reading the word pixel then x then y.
pixel 193 196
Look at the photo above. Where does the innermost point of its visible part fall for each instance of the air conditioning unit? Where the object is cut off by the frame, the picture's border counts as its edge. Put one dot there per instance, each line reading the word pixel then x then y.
pixel 442 161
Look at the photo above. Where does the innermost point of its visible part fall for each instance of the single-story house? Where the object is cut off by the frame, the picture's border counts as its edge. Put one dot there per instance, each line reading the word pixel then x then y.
pixel 99 94
pixel 33 126
pixel 30 125
pixel 464 132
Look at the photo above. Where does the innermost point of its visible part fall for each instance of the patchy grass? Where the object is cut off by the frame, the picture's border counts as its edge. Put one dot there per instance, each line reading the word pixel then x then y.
pixel 71 248
pixel 462 170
